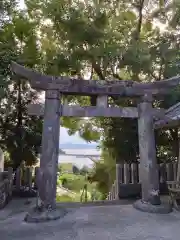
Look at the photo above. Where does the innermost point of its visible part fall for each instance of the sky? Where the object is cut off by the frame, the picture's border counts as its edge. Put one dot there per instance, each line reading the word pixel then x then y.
pixel 64 137
pixel 21 3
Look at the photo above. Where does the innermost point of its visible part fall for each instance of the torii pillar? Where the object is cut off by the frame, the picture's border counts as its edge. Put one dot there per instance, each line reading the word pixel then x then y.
pixel 47 178
pixel 149 171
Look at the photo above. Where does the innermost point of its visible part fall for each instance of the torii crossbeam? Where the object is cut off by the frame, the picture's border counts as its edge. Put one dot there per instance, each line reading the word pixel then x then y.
pixel 67 85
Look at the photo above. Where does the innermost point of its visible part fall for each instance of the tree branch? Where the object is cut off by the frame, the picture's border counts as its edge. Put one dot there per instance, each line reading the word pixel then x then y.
pixel 91 73
pixel 140 19
pixel 115 75
pixel 98 70
pixel 161 69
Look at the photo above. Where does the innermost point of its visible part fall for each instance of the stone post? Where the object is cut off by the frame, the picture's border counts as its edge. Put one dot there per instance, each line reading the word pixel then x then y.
pixel 10 187
pixel 18 178
pixel 149 172
pixel 118 179
pixel 1 161
pixel 36 177
pixel 49 161
pixel 28 177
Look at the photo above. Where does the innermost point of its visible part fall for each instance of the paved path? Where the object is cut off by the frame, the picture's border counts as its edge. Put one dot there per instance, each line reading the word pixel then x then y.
pixel 119 222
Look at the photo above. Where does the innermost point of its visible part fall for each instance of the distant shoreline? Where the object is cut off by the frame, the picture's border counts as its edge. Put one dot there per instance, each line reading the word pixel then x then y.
pixel 82 160
pixel 78 146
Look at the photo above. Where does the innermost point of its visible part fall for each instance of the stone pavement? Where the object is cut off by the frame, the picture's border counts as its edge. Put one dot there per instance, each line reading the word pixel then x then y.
pixel 118 222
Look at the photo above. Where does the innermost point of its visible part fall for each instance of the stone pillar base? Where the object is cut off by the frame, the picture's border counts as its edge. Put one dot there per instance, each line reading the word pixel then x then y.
pixel 162 208
pixel 37 215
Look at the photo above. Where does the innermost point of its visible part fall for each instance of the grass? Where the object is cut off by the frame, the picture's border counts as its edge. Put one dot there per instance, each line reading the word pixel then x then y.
pixel 68 198
pixel 64 198
pixel 75 183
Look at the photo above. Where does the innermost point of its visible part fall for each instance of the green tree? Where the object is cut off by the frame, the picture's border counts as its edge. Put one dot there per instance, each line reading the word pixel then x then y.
pixel 75 169
pixel 103 172
pixel 20 134
pixel 84 170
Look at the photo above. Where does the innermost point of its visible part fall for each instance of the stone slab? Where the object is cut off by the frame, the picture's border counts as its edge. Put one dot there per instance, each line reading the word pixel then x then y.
pixel 120 222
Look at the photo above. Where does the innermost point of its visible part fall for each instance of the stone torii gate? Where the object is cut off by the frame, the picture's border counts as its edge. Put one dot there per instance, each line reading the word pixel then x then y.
pixel 55 88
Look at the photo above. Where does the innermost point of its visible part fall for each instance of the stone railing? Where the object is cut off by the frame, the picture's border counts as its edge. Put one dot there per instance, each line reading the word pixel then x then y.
pixel 113 194
pixel 6 183
pixel 20 183
pixel 26 177
pixel 128 181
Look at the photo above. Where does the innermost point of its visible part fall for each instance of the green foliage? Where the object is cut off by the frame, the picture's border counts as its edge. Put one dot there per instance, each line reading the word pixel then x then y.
pixel 75 170
pixel 103 173
pixel 84 170
pixel 20 133
pixel 73 182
